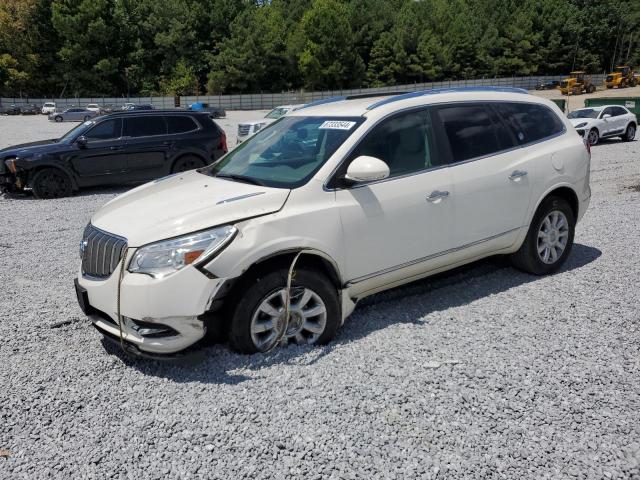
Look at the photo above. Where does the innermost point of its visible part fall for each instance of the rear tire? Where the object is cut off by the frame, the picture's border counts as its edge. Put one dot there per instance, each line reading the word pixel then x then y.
pixel 630 133
pixel 87 118
pixel 549 240
pixel 51 183
pixel 252 330
pixel 58 118
pixel 188 162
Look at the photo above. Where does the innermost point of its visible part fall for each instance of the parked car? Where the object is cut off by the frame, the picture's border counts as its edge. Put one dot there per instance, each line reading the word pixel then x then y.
pixel 48 108
pixel 281 238
pixel 128 106
pixel 109 108
pixel 31 109
pixel 94 107
pixel 247 129
pixel 77 114
pixel 604 122
pixel 134 106
pixel 216 112
pixel 120 148
pixel 548 85
pixel 11 110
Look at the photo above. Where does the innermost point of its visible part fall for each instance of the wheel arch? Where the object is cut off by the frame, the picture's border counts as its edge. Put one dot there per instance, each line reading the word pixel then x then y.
pixel 188 153
pixel 565 192
pixel 33 171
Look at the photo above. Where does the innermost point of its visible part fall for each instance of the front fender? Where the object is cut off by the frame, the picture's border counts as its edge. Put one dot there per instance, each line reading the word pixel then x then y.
pixel 28 168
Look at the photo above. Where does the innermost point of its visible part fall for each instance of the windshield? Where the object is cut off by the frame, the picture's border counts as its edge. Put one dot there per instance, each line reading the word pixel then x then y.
pixel 287 153
pixel 585 113
pixel 75 132
pixel 276 113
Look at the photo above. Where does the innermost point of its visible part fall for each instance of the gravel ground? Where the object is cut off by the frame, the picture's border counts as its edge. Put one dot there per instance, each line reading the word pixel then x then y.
pixel 484 372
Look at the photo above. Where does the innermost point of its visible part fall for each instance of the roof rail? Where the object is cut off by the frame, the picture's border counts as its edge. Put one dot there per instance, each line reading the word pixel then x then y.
pixel 434 91
pixel 322 102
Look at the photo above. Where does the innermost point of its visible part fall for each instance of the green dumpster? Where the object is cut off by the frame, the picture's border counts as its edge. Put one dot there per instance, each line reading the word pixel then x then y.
pixel 632 103
pixel 560 102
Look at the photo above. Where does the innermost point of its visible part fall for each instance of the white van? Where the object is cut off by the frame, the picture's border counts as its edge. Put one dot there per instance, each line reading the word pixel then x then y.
pixel 281 238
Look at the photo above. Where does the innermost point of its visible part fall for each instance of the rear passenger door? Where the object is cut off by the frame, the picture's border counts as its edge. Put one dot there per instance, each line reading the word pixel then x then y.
pixel 147 146
pixel 491 177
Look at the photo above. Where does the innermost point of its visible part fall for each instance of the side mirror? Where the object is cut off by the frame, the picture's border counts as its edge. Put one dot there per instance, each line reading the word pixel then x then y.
pixel 366 169
pixel 81 141
pixel 606 115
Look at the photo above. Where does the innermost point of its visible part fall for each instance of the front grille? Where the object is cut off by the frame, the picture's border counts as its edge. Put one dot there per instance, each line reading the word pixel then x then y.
pixel 101 252
pixel 244 129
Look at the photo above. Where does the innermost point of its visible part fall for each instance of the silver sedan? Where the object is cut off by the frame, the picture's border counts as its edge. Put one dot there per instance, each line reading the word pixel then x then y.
pixel 73 115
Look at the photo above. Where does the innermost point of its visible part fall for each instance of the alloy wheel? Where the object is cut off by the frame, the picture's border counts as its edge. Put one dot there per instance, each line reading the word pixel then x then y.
pixel 553 236
pixel 308 318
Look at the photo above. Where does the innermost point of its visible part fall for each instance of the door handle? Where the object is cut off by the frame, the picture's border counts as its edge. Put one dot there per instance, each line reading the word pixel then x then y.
pixel 517 175
pixel 436 196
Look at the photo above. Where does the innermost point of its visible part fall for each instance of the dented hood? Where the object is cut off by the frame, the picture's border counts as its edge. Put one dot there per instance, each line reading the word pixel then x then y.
pixel 184 203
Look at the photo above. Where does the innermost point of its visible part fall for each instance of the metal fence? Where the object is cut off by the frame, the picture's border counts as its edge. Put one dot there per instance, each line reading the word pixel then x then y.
pixel 264 101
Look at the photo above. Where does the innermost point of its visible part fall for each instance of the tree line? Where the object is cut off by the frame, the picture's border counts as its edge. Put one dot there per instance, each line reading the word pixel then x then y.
pixel 186 47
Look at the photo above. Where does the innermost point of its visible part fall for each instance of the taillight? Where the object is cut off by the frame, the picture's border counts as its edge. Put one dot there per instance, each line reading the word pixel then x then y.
pixel 223 142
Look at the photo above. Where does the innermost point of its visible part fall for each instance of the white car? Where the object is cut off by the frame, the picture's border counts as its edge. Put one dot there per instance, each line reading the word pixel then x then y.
pixel 604 122
pixel 48 108
pixel 279 240
pixel 94 107
pixel 246 129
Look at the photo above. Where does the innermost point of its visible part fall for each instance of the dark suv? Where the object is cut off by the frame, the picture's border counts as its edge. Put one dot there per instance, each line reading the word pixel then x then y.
pixel 119 148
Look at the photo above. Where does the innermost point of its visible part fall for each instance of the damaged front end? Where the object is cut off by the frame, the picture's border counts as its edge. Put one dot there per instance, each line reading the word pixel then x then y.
pixel 12 178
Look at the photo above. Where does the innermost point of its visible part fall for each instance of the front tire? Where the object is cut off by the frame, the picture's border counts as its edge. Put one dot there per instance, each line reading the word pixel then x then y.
pixel 188 162
pixel 549 240
pixel 630 133
pixel 51 183
pixel 259 315
pixel 58 118
pixel 593 137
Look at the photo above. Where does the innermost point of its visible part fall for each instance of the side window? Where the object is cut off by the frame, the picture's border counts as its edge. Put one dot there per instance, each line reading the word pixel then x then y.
pixel 180 124
pixel 606 111
pixel 109 129
pixel 405 143
pixel 618 111
pixel 146 126
pixel 530 122
pixel 471 131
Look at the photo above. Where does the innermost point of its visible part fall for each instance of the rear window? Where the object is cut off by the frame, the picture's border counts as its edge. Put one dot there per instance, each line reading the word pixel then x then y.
pixel 471 131
pixel 144 126
pixel 180 124
pixel 530 122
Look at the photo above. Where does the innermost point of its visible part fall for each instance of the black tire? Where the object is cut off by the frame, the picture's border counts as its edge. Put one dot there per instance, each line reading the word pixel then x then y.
pixel 261 287
pixel 188 162
pixel 593 136
pixel 527 258
pixel 87 118
pixel 630 133
pixel 57 118
pixel 591 89
pixel 51 183
pixel 634 82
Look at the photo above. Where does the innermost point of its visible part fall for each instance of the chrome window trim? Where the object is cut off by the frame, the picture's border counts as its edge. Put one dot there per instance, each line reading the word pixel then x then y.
pixel 417 261
pixel 407 109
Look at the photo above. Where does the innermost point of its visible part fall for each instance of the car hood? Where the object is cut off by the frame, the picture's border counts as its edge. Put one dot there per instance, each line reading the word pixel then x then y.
pixel 184 203
pixel 578 121
pixel 32 148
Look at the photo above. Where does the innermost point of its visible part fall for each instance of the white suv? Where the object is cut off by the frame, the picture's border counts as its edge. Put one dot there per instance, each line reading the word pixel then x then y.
pixel 604 122
pixel 247 129
pixel 279 239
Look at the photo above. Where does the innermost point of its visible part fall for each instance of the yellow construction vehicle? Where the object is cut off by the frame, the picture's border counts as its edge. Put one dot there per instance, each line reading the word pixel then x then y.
pixel 622 76
pixel 577 83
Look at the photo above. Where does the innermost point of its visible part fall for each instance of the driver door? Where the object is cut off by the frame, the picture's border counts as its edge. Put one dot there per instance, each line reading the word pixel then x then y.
pixel 398 228
pixel 102 160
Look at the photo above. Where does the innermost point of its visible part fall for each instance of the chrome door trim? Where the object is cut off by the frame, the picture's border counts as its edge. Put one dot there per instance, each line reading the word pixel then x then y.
pixel 369 276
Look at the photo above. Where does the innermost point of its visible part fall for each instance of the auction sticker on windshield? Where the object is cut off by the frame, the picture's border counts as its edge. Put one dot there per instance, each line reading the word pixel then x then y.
pixel 337 125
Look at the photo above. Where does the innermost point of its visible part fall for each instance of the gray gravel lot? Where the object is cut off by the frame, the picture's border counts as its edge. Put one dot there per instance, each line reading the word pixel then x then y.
pixel 480 373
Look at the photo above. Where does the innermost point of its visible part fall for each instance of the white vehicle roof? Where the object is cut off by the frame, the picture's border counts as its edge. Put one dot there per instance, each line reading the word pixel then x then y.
pixel 383 105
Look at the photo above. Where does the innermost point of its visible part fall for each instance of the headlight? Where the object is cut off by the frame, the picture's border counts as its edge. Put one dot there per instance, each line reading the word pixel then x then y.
pixel 580 125
pixel 168 256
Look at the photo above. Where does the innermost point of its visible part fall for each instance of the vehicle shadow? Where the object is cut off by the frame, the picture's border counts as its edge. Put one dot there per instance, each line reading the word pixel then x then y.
pixel 27 195
pixel 219 365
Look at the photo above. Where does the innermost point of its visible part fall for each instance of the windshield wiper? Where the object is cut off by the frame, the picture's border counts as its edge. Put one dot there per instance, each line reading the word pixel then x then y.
pixel 240 178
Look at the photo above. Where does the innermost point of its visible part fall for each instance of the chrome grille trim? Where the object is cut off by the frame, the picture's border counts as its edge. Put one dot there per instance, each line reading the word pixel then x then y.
pixel 102 252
